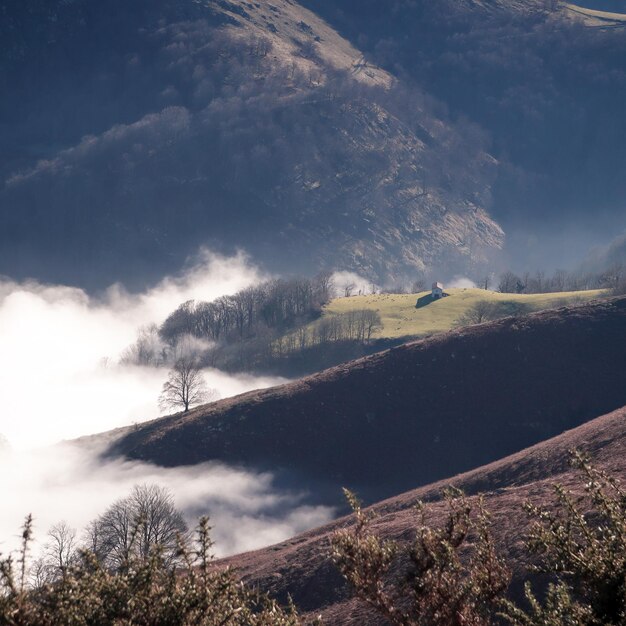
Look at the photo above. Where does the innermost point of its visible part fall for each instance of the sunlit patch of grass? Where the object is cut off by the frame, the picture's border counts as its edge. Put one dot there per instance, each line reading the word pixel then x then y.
pixel 400 317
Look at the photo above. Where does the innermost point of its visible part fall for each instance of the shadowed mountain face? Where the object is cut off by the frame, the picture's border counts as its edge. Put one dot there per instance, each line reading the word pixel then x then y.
pixel 133 133
pixel 546 82
pixel 413 414
pixel 301 567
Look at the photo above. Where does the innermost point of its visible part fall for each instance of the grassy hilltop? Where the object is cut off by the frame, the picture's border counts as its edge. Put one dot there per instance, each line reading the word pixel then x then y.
pixel 401 318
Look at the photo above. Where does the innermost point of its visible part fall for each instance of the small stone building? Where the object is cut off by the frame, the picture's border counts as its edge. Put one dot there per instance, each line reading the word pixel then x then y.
pixel 437 291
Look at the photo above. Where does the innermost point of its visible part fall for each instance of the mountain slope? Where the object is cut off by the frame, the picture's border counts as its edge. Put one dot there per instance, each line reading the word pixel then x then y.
pixel 415 413
pixel 301 567
pixel 137 132
pixel 544 79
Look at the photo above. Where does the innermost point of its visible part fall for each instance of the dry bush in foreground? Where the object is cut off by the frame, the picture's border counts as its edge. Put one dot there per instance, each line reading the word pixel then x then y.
pixel 452 575
pixel 435 587
pixel 582 544
pixel 141 592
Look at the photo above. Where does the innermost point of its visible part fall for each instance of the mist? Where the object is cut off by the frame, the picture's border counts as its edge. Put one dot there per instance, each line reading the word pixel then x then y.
pixel 70 483
pixel 61 377
pixel 60 351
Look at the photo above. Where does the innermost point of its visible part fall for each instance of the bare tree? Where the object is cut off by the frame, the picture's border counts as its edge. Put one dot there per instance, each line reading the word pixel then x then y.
pixel 509 283
pixel 485 281
pixel 348 289
pixel 136 526
pixel 482 311
pixel 58 554
pixel 185 386
pixel 419 285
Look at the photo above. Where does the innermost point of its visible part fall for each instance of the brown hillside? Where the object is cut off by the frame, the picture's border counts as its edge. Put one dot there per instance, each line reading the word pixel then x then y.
pixel 413 414
pixel 301 566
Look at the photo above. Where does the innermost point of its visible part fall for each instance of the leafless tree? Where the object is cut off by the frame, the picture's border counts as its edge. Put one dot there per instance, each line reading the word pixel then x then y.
pixel 149 349
pixel 144 521
pixel 419 285
pixel 348 289
pixel 58 554
pixel 612 277
pixel 185 386
pixel 485 281
pixel 509 283
pixel 480 312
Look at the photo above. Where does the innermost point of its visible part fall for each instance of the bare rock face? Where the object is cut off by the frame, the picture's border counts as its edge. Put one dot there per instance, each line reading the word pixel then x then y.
pixel 228 124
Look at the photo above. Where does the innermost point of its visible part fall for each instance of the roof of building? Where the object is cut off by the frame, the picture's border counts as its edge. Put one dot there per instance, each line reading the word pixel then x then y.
pixel 437 286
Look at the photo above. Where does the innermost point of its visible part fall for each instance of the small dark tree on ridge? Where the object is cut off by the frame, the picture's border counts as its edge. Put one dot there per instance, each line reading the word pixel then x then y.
pixel 185 386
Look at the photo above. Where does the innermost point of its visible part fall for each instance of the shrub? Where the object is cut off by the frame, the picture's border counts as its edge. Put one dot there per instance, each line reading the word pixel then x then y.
pixel 581 543
pixel 142 591
pixel 430 585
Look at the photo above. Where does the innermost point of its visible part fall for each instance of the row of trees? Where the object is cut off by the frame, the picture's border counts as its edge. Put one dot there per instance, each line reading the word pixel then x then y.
pixel 140 565
pixel 250 329
pixel 267 349
pixel 277 305
pixel 132 527
pixel 613 278
pixel 358 325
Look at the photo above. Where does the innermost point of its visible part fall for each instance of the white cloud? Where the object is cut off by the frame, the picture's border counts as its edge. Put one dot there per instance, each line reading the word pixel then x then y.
pixel 357 284
pixel 60 378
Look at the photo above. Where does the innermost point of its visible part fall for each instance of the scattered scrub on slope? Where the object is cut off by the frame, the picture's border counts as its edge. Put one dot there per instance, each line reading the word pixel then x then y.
pixel 450 575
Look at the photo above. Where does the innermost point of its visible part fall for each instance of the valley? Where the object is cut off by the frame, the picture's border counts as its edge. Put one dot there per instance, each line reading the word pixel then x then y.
pixel 219 223
pixel 412 414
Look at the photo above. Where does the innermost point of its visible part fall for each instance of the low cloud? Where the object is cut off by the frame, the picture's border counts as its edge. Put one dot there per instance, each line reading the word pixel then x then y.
pixel 61 378
pixel 349 283
pixel 60 351
pixel 460 282
pixel 70 483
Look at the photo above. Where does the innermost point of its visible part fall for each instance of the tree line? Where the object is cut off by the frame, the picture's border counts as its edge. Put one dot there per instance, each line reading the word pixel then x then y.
pixel 274 305
pixel 612 277
pixel 252 328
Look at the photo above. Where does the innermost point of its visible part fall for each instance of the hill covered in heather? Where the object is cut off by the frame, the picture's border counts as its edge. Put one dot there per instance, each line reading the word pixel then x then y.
pixel 413 414
pixel 301 567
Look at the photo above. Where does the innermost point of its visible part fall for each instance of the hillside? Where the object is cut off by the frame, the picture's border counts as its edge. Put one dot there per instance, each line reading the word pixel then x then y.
pixel 401 317
pixel 137 132
pixel 533 75
pixel 300 567
pixel 413 414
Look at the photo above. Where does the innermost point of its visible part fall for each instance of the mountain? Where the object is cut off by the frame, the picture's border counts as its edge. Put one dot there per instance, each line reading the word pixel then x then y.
pixel 301 566
pixel 545 80
pixel 133 133
pixel 412 414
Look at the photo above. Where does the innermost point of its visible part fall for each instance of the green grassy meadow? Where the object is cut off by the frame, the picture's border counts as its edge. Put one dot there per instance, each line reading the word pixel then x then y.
pixel 401 318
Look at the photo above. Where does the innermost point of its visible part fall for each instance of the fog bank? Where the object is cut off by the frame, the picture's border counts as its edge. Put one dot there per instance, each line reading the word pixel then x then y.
pixel 60 349
pixel 69 483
